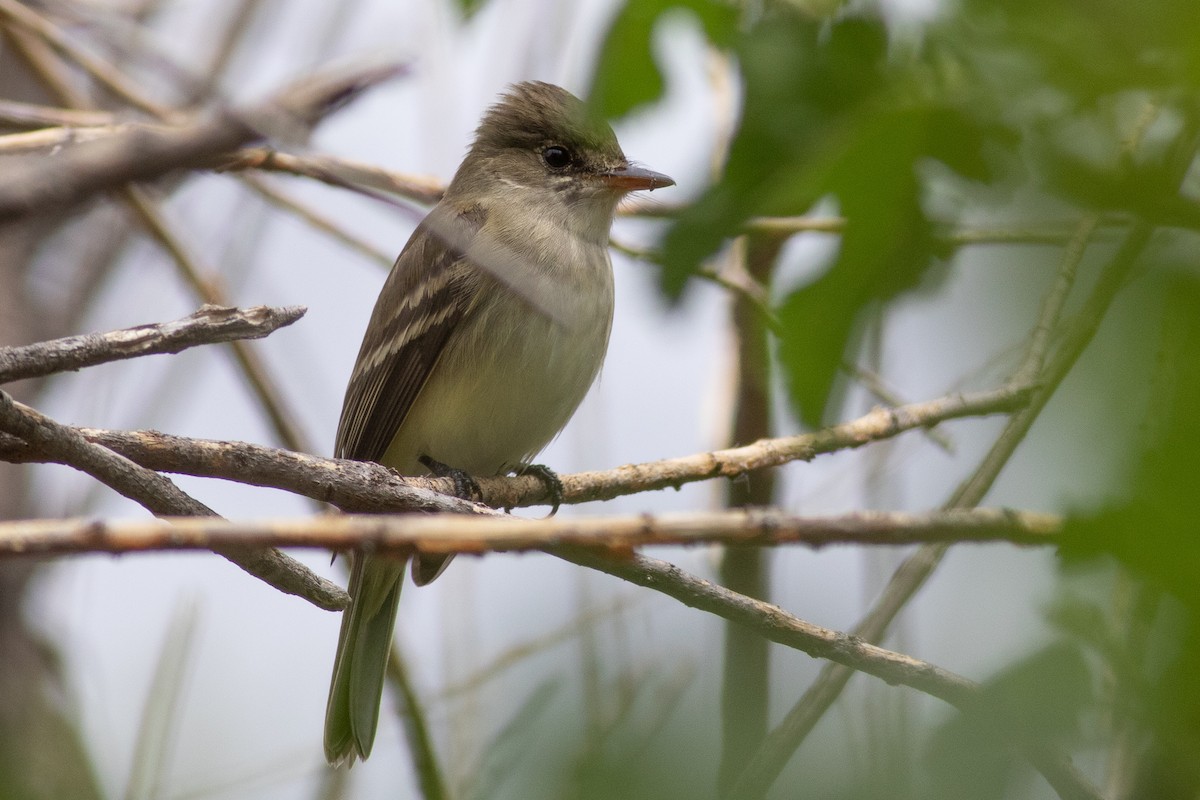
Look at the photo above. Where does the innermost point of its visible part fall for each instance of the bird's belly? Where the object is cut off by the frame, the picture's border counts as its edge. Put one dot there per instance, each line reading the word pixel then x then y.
pixel 502 392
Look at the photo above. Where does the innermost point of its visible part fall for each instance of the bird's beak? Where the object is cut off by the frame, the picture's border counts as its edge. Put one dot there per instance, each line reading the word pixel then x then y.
pixel 629 178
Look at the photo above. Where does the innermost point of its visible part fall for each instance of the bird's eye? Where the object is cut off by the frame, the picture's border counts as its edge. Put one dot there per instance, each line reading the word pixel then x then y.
pixel 556 157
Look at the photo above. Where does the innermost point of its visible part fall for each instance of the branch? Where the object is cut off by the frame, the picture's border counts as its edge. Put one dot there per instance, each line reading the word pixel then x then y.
pixel 207 325
pixel 249 361
pixel 141 153
pixel 366 487
pixel 455 533
pixel 159 495
pixel 26 115
pixel 343 173
pixel 880 423
pixel 775 624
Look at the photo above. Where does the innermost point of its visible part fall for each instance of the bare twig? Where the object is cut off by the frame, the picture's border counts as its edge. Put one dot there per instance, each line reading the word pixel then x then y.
pixel 499 533
pixel 252 366
pixel 1055 300
pixel 160 496
pixel 317 220
pixel 911 575
pixel 208 325
pixel 139 153
pixel 20 14
pixel 361 486
pixel 28 115
pixel 849 651
pixel 340 172
pixel 875 384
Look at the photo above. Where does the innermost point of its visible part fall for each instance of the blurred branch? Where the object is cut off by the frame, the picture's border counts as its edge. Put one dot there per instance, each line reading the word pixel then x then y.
pixel 364 486
pixel 20 15
pixel 252 366
pixel 139 153
pixel 28 115
pixel 156 493
pixel 409 709
pixel 317 220
pixel 912 574
pixel 404 534
pixel 849 651
pixel 875 384
pixel 208 325
pixel 745 682
pixel 343 173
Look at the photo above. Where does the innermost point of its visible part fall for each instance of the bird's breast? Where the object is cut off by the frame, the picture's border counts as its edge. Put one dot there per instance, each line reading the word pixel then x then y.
pixel 513 373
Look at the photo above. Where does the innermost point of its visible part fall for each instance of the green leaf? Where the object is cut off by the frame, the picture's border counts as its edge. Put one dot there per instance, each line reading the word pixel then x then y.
pixel 887 244
pixel 1154 530
pixel 470 7
pixel 626 75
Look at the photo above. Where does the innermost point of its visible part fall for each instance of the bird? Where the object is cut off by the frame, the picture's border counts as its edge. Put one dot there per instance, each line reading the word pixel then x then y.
pixel 489 330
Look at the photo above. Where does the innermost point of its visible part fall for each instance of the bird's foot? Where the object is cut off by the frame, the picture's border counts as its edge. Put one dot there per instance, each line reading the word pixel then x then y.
pixel 549 479
pixel 465 487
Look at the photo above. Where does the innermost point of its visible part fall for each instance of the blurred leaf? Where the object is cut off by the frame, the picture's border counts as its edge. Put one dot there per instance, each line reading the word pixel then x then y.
pixel 626 75
pixel 1156 530
pixel 1035 702
pixel 509 752
pixel 469 7
pixel 1093 48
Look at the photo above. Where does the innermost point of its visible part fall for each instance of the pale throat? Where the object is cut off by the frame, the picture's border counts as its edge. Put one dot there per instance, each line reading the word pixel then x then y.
pixel 587 215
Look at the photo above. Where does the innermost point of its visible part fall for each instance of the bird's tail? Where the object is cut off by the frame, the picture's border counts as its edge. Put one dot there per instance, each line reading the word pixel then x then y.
pixel 364 644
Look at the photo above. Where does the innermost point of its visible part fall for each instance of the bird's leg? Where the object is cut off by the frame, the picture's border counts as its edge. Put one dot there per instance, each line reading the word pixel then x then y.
pixel 549 479
pixel 465 487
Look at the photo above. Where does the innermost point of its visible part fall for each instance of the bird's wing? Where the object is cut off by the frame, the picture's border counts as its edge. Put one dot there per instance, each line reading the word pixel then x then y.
pixel 426 296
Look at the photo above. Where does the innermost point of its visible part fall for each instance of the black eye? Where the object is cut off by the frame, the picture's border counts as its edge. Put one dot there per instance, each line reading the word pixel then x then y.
pixel 556 157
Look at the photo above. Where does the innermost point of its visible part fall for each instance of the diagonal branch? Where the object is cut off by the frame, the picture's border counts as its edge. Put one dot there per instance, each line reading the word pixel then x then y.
pixel 912 574
pixel 160 496
pixel 208 325
pixel 847 650
pixel 139 153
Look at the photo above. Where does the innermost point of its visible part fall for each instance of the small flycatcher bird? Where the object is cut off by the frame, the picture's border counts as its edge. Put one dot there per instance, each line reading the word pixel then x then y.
pixel 487 334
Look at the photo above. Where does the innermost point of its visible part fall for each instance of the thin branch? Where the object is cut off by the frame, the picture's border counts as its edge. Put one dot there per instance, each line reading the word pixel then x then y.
pixel 363 486
pixel 21 15
pixel 911 575
pixel 27 115
pixel 402 535
pixel 343 173
pixel 1055 300
pixel 877 386
pixel 880 423
pixel 208 325
pixel 847 650
pixel 262 384
pixel 139 153
pixel 316 220
pixel 160 496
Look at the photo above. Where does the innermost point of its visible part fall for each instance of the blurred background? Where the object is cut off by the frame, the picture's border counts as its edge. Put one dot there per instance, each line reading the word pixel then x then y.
pixel 965 143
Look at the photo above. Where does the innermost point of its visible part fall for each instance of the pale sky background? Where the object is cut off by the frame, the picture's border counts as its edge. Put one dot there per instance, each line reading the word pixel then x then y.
pixel 252 703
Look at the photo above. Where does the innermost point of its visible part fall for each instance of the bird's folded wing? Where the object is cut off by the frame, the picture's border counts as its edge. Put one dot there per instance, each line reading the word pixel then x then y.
pixel 428 293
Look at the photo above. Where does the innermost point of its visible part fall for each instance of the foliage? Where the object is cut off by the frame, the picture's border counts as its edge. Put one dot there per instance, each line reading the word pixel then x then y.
pixel 1086 106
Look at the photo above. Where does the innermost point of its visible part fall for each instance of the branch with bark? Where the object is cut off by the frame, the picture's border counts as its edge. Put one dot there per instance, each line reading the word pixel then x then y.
pixel 403 534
